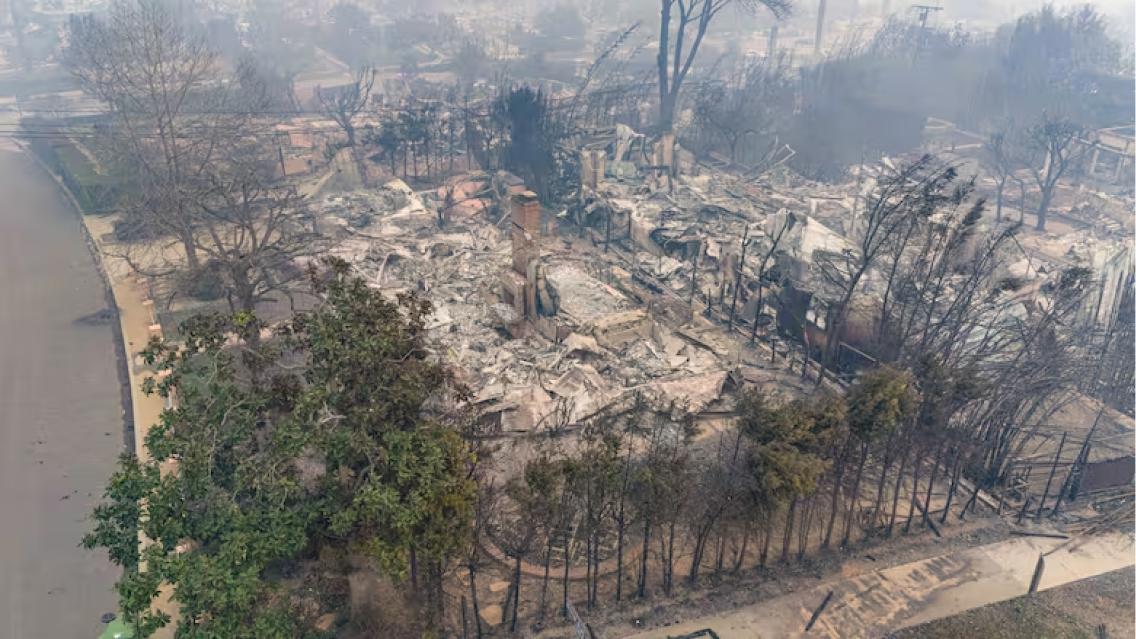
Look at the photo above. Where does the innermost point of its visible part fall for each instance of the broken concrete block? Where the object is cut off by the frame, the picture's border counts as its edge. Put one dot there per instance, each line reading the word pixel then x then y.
pixel 618 329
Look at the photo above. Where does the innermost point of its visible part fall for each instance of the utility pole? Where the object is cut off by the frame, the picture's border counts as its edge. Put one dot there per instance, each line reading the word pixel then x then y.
pixel 924 11
pixel 820 25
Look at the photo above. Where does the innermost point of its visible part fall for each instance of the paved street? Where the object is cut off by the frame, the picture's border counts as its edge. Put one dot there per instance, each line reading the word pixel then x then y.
pixel 60 413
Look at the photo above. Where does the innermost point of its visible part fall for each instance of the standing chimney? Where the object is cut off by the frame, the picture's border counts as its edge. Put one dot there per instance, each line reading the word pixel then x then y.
pixel 525 211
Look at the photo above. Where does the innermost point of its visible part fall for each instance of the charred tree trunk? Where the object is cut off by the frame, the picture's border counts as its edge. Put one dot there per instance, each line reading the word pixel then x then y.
pixel 596 570
pixel 854 496
pixel 516 592
pixel 544 581
pixel 190 248
pixel 999 192
pixel 1043 206
pixel 931 485
pixel 767 540
pixel 895 494
pixel 450 122
pixel 473 596
pixel 914 493
pixel 590 573
pixel 807 516
pixel 701 536
pixel 720 552
pixel 668 565
pixel 788 530
pixel 837 483
pixel 745 545
pixel 877 509
pixel 955 474
pixel 564 581
pixel 619 552
pixel 644 559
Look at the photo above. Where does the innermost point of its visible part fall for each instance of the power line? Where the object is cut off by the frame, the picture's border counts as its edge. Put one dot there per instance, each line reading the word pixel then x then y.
pixel 43 129
pixel 483 109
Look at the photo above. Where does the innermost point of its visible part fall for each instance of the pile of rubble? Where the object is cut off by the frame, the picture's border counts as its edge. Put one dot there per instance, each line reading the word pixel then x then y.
pixel 602 341
pixel 640 286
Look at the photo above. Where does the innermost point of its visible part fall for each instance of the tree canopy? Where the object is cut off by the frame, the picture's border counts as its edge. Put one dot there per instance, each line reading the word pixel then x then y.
pixel 357 453
pixel 784 444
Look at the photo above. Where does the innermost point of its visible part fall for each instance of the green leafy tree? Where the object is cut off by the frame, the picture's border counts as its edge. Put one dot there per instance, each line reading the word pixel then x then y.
pixel 782 453
pixel 879 403
pixel 785 440
pixel 269 466
pixel 229 508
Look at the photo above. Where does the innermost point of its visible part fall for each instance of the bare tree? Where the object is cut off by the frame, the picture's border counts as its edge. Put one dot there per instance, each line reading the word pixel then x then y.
pixel 253 233
pixel 1000 161
pixel 752 107
pixel 899 198
pixel 659 486
pixel 1053 146
pixel 344 103
pixel 170 115
pixel 691 23
pixel 534 495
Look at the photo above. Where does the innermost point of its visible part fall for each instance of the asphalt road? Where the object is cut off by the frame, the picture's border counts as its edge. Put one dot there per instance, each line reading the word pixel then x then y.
pixel 60 413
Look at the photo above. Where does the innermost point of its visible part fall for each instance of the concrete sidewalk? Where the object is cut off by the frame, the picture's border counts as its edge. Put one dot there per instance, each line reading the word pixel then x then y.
pixel 138 323
pixel 873 604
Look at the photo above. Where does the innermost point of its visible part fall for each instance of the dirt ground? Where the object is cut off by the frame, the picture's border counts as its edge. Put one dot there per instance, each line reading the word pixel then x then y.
pixel 1073 611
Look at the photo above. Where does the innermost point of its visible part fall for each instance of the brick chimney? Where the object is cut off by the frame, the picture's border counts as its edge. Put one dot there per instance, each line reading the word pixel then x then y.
pixel 525 212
